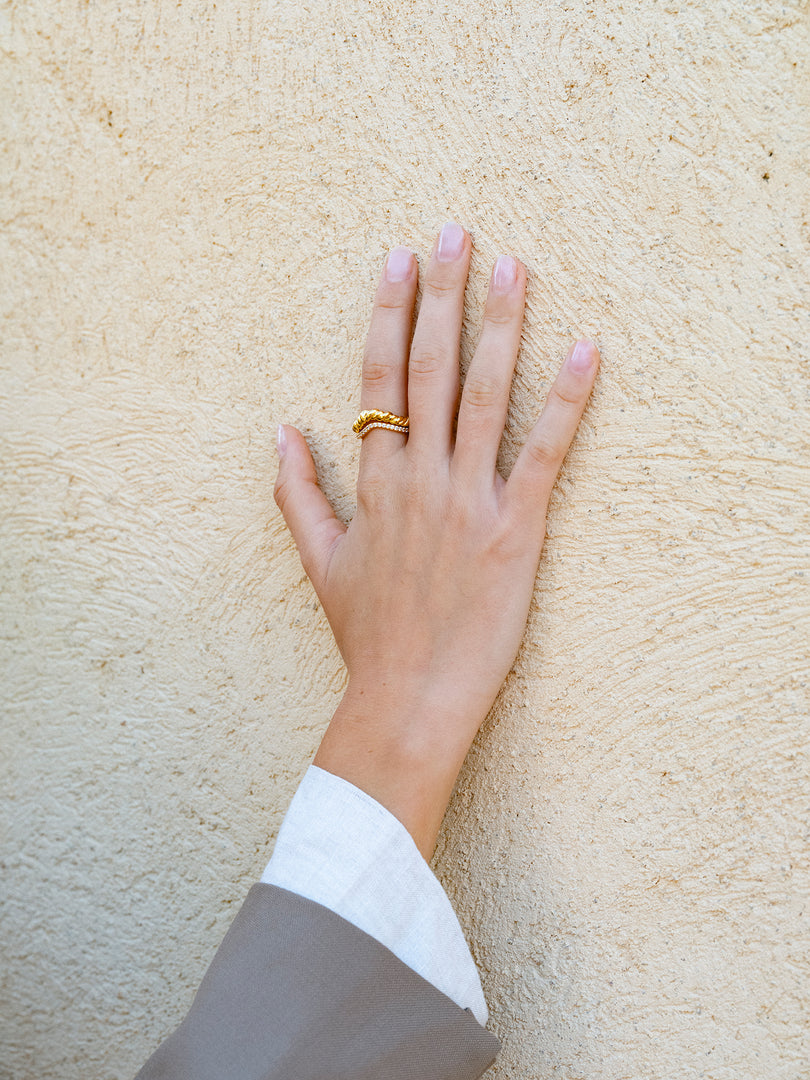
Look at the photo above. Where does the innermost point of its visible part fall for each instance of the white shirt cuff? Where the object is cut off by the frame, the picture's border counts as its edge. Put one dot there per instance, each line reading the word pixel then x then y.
pixel 342 849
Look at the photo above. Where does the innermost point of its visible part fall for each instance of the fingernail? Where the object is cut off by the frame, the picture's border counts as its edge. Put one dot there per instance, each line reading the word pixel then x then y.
pixel 582 358
pixel 505 274
pixel 451 242
pixel 281 441
pixel 398 264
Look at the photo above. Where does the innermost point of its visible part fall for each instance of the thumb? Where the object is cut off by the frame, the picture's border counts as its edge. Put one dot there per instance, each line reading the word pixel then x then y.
pixel 304 506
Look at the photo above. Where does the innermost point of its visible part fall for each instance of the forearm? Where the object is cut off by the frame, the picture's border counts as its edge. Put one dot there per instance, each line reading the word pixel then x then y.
pixel 402 750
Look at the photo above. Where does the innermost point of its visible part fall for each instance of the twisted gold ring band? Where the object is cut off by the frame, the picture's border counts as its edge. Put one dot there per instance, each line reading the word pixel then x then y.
pixel 376 418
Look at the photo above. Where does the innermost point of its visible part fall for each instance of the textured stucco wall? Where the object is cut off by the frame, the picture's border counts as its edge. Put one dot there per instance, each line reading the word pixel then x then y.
pixel 198 201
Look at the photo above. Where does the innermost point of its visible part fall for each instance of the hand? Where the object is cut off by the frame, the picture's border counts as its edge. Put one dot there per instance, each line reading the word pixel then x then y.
pixel 428 589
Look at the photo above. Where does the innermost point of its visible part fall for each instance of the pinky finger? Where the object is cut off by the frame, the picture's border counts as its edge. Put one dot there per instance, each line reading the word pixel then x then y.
pixel 535 471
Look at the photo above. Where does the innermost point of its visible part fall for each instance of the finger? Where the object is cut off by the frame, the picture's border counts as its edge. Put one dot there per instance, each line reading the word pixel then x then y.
pixel 529 485
pixel 485 398
pixel 433 368
pixel 385 358
pixel 306 510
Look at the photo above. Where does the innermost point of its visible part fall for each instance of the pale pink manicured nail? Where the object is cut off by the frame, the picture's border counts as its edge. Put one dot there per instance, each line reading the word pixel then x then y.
pixel 505 274
pixel 583 357
pixel 281 441
pixel 398 264
pixel 451 242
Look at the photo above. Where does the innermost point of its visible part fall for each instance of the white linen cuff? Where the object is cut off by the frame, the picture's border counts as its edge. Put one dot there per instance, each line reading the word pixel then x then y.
pixel 344 850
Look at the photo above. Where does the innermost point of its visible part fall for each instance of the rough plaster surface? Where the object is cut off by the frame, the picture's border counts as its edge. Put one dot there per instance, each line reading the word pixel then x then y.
pixel 198 200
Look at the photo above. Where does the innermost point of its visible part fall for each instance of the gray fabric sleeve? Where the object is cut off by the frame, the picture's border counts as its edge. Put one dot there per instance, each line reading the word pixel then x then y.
pixel 295 992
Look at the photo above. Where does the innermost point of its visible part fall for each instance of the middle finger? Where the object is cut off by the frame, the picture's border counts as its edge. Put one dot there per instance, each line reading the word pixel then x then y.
pixel 433 376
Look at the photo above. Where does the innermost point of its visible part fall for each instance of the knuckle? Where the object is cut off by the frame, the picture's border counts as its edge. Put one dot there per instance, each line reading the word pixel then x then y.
pixel 509 541
pixel 371 489
pixel 413 488
pixel 503 538
pixel 391 298
pixel 494 530
pixel 426 361
pixel 482 392
pixel 499 317
pixel 566 398
pixel 419 493
pixel 391 301
pixel 393 496
pixel 369 499
pixel 440 288
pixel 281 493
pixel 544 454
pixel 376 371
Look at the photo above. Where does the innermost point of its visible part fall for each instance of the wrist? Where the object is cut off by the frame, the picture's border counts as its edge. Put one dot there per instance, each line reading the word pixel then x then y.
pixel 404 749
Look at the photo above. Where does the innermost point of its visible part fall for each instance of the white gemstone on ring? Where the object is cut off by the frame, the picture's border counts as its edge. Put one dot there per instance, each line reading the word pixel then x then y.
pixel 379 424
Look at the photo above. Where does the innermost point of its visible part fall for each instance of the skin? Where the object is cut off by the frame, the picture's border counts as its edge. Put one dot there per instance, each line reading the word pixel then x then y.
pixel 427 590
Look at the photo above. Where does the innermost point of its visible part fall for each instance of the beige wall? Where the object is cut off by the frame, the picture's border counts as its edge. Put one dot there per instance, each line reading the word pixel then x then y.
pixel 200 201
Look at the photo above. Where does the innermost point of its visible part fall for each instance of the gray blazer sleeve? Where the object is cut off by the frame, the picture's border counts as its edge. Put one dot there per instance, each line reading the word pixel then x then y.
pixel 295 992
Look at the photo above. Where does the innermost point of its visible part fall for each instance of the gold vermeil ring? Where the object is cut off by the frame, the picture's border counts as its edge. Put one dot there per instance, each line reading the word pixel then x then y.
pixel 373 418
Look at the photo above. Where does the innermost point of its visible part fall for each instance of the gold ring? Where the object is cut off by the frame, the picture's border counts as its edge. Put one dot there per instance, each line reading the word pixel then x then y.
pixel 376 423
pixel 370 418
